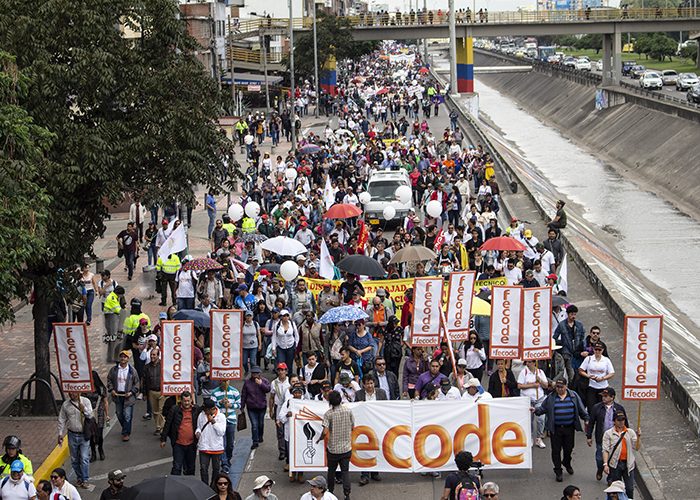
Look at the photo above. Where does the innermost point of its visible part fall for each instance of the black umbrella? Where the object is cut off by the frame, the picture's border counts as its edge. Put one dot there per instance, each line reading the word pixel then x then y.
pixel 201 319
pixel 273 268
pixel 362 265
pixel 558 300
pixel 170 488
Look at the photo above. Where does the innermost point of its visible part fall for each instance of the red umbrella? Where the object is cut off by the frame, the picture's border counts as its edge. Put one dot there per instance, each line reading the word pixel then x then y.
pixel 383 91
pixel 423 70
pixel 503 243
pixel 342 211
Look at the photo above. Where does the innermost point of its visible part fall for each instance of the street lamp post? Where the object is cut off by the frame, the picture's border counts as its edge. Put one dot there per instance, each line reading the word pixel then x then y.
pixel 292 89
pixel 453 49
pixel 316 86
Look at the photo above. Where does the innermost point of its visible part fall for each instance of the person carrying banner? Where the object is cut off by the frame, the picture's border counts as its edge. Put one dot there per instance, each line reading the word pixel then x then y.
pixel 338 423
pixel 463 483
pixel 166 270
pixel 180 428
pixel 228 401
pixel 602 419
pixel 73 413
pixel 432 376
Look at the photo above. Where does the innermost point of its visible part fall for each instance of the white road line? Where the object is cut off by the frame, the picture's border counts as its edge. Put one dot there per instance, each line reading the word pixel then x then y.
pixel 249 465
pixel 147 465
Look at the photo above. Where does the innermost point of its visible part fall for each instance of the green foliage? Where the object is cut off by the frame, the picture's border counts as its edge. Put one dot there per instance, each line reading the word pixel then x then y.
pixel 334 38
pixel 593 42
pixel 23 199
pixel 565 41
pixel 656 45
pixel 690 52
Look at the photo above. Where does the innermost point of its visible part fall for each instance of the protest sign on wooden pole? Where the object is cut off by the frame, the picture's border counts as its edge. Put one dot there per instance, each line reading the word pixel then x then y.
pixel 73 353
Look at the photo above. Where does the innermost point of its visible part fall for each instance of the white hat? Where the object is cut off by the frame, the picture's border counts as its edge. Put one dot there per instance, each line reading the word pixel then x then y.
pixel 473 382
pixel 284 312
pixel 261 481
pixel 615 487
pixel 461 362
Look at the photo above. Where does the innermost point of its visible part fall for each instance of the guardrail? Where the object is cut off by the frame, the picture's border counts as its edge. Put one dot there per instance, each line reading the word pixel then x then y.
pixel 659 96
pixel 465 17
pixel 253 56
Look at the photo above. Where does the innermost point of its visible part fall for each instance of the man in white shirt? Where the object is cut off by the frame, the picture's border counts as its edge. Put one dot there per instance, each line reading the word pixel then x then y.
pixel 347 388
pixel 304 235
pixel 319 490
pixel 512 273
pixel 539 273
pixel 351 198
pixel 475 392
pixel 533 383
pixel 547 258
pixel 17 486
pixel 530 241
pixel 448 392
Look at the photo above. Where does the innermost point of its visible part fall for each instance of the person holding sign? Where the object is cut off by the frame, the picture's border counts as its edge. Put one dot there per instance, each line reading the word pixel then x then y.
pixel 532 383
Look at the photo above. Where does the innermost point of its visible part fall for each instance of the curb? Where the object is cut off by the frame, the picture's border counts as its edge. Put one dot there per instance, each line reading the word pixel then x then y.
pixel 55 459
pixel 648 485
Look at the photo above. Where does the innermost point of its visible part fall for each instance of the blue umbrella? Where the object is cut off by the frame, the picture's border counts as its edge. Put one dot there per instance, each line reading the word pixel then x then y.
pixel 309 149
pixel 201 319
pixel 341 314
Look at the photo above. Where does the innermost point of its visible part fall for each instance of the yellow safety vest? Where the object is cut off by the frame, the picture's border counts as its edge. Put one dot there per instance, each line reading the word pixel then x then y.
pixel 5 467
pixel 112 304
pixel 170 266
pixel 230 227
pixel 132 323
pixel 248 225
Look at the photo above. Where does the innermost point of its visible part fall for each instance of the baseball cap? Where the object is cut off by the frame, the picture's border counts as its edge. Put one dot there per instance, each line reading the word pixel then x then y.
pixel 282 366
pixel 344 377
pixel 261 481
pixel 284 312
pixel 462 362
pixel 528 233
pixel 242 287
pixel 445 382
pixel 473 382
pixel 552 277
pixel 256 369
pixel 17 466
pixel 125 353
pixel 163 315
pixel 318 481
pixel 297 389
pixel 115 475
pixel 620 415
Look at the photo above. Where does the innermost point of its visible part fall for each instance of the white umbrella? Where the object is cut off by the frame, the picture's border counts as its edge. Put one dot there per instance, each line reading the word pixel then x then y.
pixel 282 245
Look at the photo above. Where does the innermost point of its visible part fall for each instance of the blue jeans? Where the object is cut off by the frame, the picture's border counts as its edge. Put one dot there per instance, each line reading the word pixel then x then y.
pixel 154 215
pixel 185 303
pixel 184 458
pixel 124 414
pixel 152 256
pixel 286 356
pixel 229 439
pixel 599 456
pixel 89 299
pixel 249 354
pixel 257 424
pixel 79 455
pixel 212 221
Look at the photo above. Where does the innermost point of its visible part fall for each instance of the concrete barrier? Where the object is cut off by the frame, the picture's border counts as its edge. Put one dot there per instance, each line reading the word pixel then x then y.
pixel 55 459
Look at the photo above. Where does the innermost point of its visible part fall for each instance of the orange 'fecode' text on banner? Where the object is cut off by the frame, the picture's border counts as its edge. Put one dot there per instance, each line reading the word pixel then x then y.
pixel 537 323
pixel 427 304
pixel 178 357
pixel 73 353
pixel 226 344
pixel 460 293
pixel 506 304
pixel 641 358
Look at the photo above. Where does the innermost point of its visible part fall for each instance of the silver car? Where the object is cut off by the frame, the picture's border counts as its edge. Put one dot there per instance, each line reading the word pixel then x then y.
pixel 669 76
pixel 686 80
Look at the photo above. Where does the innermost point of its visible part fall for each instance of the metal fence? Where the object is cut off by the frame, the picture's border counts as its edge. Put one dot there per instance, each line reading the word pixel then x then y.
pixel 658 95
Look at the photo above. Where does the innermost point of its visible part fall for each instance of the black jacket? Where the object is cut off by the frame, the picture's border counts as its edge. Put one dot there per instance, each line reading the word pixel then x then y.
pixel 394 391
pixel 496 389
pixel 361 394
pixel 173 421
pixel 597 420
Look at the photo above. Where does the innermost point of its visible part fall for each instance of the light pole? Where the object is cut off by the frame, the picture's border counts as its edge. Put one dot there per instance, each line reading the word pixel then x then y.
pixel 292 90
pixel 453 49
pixel 316 87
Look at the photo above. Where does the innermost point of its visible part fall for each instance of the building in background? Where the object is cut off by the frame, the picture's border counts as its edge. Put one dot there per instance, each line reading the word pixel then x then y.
pixel 206 23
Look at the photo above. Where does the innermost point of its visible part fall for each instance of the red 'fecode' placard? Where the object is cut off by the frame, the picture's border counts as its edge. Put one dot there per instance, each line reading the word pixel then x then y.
pixel 427 304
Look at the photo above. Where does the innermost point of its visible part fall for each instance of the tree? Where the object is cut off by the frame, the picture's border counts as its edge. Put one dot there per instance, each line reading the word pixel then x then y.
pixel 334 38
pixel 131 117
pixel 656 45
pixel 594 42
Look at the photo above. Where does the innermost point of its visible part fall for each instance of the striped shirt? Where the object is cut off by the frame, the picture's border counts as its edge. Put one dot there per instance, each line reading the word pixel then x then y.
pixel 564 411
pixel 234 398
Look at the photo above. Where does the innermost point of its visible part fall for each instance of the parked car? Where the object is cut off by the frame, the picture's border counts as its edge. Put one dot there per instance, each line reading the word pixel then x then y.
pixel 669 76
pixel 599 65
pixel 583 64
pixel 637 71
pixel 694 94
pixel 686 80
pixel 627 67
pixel 569 62
pixel 651 80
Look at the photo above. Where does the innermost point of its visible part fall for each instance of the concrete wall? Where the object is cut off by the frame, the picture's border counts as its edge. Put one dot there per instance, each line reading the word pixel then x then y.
pixel 655 149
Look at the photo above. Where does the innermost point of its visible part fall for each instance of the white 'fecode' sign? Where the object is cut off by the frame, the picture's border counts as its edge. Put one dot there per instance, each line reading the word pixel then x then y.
pixel 460 295
pixel 73 353
pixel 427 304
pixel 506 304
pixel 537 323
pixel 226 344
pixel 178 356
pixel 641 369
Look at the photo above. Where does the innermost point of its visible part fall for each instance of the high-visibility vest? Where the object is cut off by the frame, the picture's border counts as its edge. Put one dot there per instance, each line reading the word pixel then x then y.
pixel 132 323
pixel 248 225
pixel 112 304
pixel 170 266
pixel 230 227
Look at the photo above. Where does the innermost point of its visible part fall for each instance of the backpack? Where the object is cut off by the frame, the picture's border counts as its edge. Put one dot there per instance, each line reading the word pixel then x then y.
pixel 467 489
pixel 4 482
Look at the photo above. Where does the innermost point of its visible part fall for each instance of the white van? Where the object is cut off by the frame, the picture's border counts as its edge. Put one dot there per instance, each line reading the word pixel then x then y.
pixel 382 186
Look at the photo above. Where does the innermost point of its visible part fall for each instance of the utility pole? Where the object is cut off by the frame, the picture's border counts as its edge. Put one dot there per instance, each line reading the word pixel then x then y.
pixel 453 49
pixel 425 40
pixel 316 86
pixel 292 88
pixel 230 64
pixel 263 49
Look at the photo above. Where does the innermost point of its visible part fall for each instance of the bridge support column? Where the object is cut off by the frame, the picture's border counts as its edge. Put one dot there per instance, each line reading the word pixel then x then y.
pixel 612 64
pixel 465 64
pixel 328 78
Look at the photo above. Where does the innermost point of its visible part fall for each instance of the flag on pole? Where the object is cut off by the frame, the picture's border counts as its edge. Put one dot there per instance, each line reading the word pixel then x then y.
pixel 328 197
pixel 326 266
pixel 563 276
pixel 176 242
pixel 439 241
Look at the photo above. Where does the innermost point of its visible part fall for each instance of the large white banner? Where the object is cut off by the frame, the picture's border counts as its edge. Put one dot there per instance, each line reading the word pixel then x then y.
pixel 73 353
pixel 459 304
pixel 506 304
pixel 226 344
pixel 418 436
pixel 641 367
pixel 177 344
pixel 427 304
pixel 537 323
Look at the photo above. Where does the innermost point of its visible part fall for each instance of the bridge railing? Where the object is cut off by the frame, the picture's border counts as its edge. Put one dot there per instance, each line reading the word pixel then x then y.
pixel 253 56
pixel 463 17
pixel 658 95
